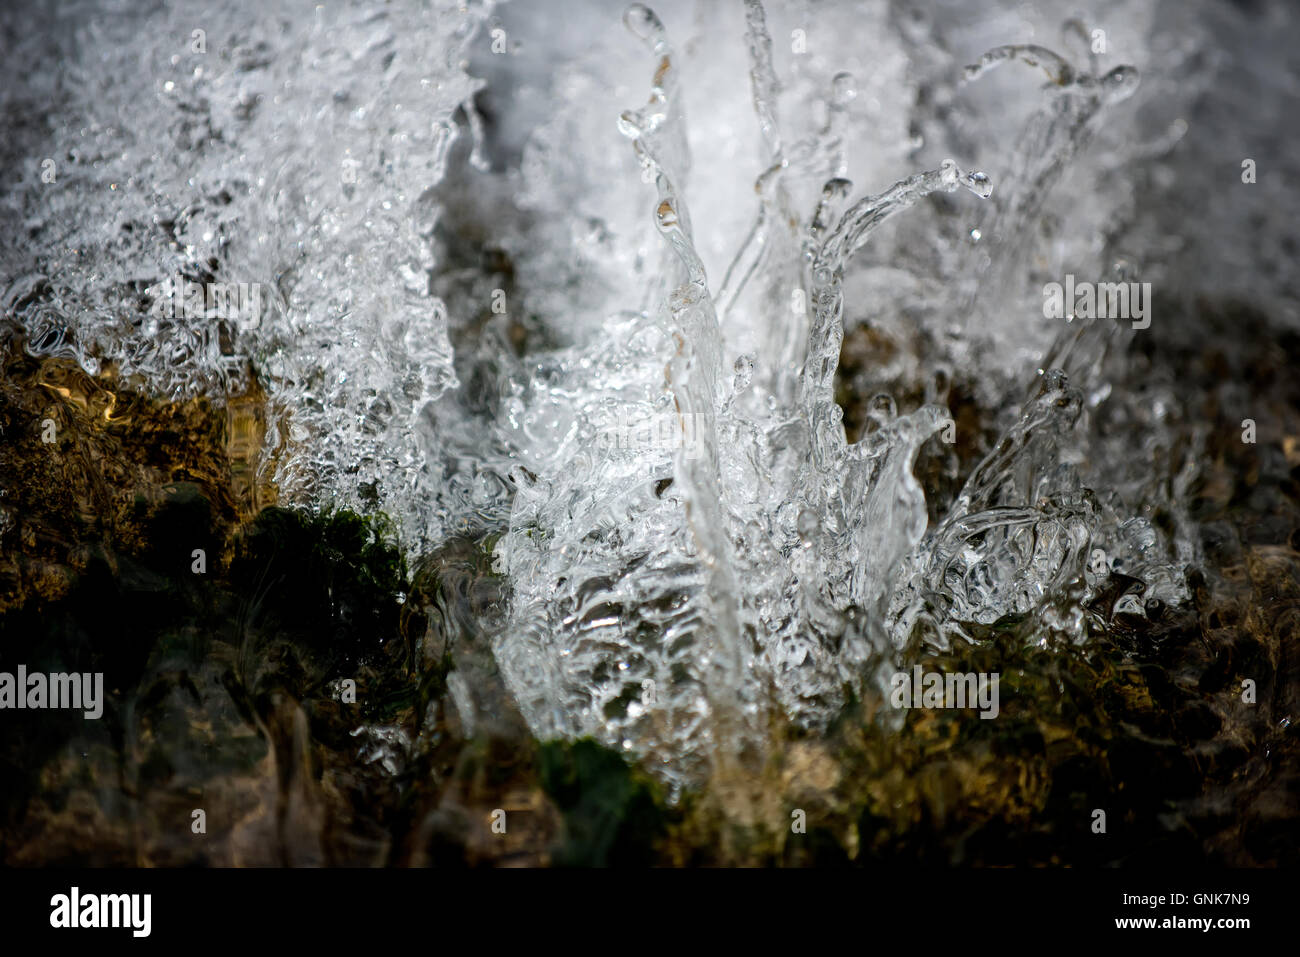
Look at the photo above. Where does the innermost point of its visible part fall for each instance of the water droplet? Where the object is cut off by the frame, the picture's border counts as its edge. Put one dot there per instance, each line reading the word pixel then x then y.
pixel 744 369
pixel 628 124
pixel 644 23
pixel 666 215
pixel 1120 83
pixel 979 184
pixel 843 90
pixel 882 409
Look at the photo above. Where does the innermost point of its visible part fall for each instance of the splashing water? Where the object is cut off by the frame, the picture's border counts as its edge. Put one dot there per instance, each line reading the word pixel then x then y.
pixel 667 597
pixel 694 547
pixel 293 154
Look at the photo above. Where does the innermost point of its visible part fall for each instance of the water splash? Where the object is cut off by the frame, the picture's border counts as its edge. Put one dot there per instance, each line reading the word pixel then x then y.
pixel 673 591
pixel 745 581
pixel 670 599
pixel 293 157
